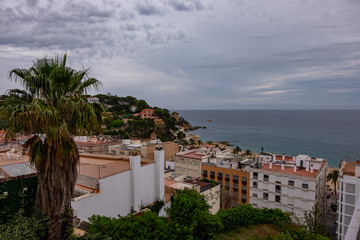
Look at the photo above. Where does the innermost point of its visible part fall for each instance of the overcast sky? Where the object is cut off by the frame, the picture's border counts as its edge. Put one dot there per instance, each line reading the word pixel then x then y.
pixel 197 54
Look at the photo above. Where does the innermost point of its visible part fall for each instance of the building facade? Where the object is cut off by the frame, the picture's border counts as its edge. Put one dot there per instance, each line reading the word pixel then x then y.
pixel 349 201
pixel 188 163
pixel 234 182
pixel 292 184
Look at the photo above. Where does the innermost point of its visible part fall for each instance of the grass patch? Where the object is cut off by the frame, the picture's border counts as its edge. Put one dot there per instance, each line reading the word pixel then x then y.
pixel 249 233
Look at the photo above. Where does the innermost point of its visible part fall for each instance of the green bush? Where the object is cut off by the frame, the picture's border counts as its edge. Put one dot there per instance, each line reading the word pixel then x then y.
pixel 245 215
pixel 32 228
pixel 147 226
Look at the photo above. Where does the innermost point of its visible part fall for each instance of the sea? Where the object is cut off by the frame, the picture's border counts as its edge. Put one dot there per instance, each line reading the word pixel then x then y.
pixel 330 134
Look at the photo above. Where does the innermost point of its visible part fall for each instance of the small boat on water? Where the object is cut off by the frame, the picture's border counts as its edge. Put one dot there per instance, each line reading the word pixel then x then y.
pixel 209 120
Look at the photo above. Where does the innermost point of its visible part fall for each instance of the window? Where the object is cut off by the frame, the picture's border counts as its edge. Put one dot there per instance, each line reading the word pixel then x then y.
pixel 243 198
pixel 205 173
pixel 235 187
pixel 255 195
pixel 220 176
pixel 212 174
pixel 291 183
pixel 227 177
pixel 266 178
pixel 244 180
pixel 243 189
pixel 235 179
pixel 255 185
pixel 306 186
pixel 278 189
pixel 265 196
pixel 255 175
pixel 227 185
pixel 278 182
pixel 277 198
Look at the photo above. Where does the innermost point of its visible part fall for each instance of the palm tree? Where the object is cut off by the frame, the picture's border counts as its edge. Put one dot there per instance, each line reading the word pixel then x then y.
pixel 52 109
pixel 333 177
pixel 237 149
pixel 248 152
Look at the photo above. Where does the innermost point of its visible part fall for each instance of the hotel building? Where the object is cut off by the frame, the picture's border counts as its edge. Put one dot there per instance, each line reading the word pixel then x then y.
pixel 292 184
pixel 349 201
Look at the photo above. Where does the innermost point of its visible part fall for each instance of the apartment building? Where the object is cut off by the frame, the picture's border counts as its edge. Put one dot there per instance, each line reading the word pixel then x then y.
pixel 188 163
pixel 233 176
pixel 292 184
pixel 349 201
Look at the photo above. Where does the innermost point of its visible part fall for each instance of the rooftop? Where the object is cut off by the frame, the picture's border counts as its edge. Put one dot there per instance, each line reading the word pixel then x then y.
pixel 349 169
pixel 192 155
pixel 290 170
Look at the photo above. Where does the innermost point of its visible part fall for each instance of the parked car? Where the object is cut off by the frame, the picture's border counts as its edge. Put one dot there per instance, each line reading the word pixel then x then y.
pixel 334 206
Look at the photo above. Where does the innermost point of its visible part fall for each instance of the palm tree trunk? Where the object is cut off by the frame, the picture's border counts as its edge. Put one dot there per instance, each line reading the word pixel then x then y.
pixel 55 223
pixel 56 182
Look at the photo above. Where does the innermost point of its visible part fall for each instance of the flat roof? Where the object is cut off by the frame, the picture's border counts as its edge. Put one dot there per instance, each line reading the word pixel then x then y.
pixel 97 167
pixel 290 170
pixel 192 155
pixel 349 169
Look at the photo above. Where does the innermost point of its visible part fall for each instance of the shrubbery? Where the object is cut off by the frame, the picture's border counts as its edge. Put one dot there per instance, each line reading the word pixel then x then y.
pixel 190 218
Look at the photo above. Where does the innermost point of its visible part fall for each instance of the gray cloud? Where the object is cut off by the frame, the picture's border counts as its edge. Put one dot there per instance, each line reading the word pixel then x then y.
pixel 197 54
pixel 147 8
pixel 187 5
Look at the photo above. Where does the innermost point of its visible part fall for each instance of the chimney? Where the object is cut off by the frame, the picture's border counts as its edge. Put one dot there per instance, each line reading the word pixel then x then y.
pixel 311 169
pixel 294 168
pixel 262 149
pixel 283 157
pixel 294 159
pixel 274 157
pixel 270 164
pixel 307 165
pixel 282 166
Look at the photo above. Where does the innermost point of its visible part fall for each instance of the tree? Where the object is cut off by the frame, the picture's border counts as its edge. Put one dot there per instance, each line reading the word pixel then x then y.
pixel 248 152
pixel 333 177
pixel 191 218
pixel 237 149
pixel 52 109
pixel 315 222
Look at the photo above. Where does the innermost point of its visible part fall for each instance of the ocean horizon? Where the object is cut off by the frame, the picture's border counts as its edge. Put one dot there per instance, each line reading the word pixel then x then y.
pixel 329 134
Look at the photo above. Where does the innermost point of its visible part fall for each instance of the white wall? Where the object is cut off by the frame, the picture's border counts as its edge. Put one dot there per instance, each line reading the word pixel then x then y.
pixel 114 198
pixel 118 193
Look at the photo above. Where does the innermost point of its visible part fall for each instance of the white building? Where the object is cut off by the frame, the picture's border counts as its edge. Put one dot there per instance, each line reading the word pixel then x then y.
pixel 93 100
pixel 349 201
pixel 116 185
pixel 292 184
